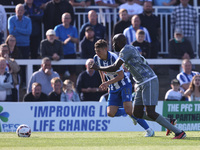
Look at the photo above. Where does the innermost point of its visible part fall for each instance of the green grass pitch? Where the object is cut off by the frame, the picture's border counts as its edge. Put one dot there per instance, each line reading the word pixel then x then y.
pixel 99 141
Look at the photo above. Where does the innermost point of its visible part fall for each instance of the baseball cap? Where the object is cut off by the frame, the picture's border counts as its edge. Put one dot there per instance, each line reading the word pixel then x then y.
pixel 175 81
pixel 178 31
pixel 50 32
pixel 89 28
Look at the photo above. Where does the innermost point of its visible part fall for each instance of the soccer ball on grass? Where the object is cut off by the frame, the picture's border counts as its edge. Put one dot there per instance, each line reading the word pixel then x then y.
pixel 23 131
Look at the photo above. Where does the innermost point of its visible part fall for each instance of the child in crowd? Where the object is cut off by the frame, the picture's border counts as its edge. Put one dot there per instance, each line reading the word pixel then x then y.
pixel 69 94
pixel 142 45
pixel 56 84
pixel 193 92
pixel 174 94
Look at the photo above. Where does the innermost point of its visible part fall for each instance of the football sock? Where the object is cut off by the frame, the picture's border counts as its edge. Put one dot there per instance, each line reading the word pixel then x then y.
pixel 141 122
pixel 165 123
pixel 120 112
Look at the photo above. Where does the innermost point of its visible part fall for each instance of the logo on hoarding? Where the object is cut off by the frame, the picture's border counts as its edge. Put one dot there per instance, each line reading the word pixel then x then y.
pixel 3 116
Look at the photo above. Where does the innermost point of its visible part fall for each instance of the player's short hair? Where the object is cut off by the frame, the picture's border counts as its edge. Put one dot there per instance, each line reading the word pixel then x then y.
pixel 123 10
pixel 56 80
pixel 140 32
pixel 101 44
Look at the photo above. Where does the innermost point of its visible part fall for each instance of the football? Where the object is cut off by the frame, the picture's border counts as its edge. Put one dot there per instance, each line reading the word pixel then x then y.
pixel 23 131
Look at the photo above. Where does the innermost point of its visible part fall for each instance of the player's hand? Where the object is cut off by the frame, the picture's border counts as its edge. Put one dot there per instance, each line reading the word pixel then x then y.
pixel 94 66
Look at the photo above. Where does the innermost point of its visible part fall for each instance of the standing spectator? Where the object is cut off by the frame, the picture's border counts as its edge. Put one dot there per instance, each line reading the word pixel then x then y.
pixel 174 94
pixel 164 3
pixel 36 94
pixel 184 16
pixel 152 23
pixel 54 10
pixel 35 14
pixel 41 3
pixel 69 36
pixel 51 47
pixel 20 26
pixel 13 68
pixel 185 77
pixel 132 8
pixel 81 3
pixel 69 94
pixel 43 76
pixel 5 82
pixel 193 92
pixel 3 23
pixel 87 44
pixel 88 83
pixel 142 45
pixel 56 84
pixel 179 48
pixel 124 22
pixel 130 32
pixel 100 30
pixel 13 50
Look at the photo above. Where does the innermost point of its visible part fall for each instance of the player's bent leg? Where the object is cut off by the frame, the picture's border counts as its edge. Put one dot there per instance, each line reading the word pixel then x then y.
pixel 150 112
pixel 112 110
pixel 128 108
pixel 138 111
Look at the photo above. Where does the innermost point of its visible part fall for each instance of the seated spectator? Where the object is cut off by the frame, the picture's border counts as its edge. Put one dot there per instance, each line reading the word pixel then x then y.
pixel 68 35
pixel 35 14
pixel 130 32
pixel 193 92
pixel 13 50
pixel 13 68
pixel 88 83
pixel 51 47
pixel 3 22
pixel 143 46
pixel 132 8
pixel 174 94
pixel 5 82
pixel 36 94
pixel 43 76
pixel 124 22
pixel 69 94
pixel 87 44
pixel 56 84
pixel 100 30
pixel 179 48
pixel 185 77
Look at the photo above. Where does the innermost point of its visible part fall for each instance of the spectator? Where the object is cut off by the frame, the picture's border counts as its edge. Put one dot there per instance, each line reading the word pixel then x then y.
pixel 179 48
pixel 193 92
pixel 124 22
pixel 164 3
pixel 132 8
pixel 88 83
pixel 142 45
pixel 13 68
pixel 56 84
pixel 5 82
pixel 152 23
pixel 69 36
pixel 43 76
pixel 13 50
pixel 11 2
pixel 130 32
pixel 35 14
pixel 51 47
pixel 20 26
pixel 3 23
pixel 41 3
pixel 82 3
pixel 100 30
pixel 174 94
pixel 36 94
pixel 184 16
pixel 54 10
pixel 87 44
pixel 69 94
pixel 185 77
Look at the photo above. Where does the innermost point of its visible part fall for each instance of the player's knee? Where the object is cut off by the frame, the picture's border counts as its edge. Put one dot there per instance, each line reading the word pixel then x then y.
pixel 110 114
pixel 137 115
pixel 151 115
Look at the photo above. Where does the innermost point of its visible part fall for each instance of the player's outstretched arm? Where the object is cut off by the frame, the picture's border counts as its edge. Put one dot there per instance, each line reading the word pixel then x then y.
pixel 112 68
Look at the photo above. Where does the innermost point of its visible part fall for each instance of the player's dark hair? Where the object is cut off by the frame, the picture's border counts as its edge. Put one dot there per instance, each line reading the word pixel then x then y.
pixel 101 44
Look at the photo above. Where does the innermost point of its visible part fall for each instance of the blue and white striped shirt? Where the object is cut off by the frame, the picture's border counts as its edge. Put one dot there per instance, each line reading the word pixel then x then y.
pixel 112 57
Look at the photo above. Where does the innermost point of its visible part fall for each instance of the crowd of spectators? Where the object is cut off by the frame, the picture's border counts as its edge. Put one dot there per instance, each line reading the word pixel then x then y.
pixel 62 40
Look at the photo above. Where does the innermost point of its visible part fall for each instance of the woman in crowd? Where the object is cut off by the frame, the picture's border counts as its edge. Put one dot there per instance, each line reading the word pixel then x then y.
pixel 193 92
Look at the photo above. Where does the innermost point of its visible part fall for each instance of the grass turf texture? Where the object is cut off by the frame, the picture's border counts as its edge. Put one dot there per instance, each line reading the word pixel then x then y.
pixel 99 140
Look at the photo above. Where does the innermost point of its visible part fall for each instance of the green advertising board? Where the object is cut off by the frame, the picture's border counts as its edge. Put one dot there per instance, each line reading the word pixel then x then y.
pixel 186 113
